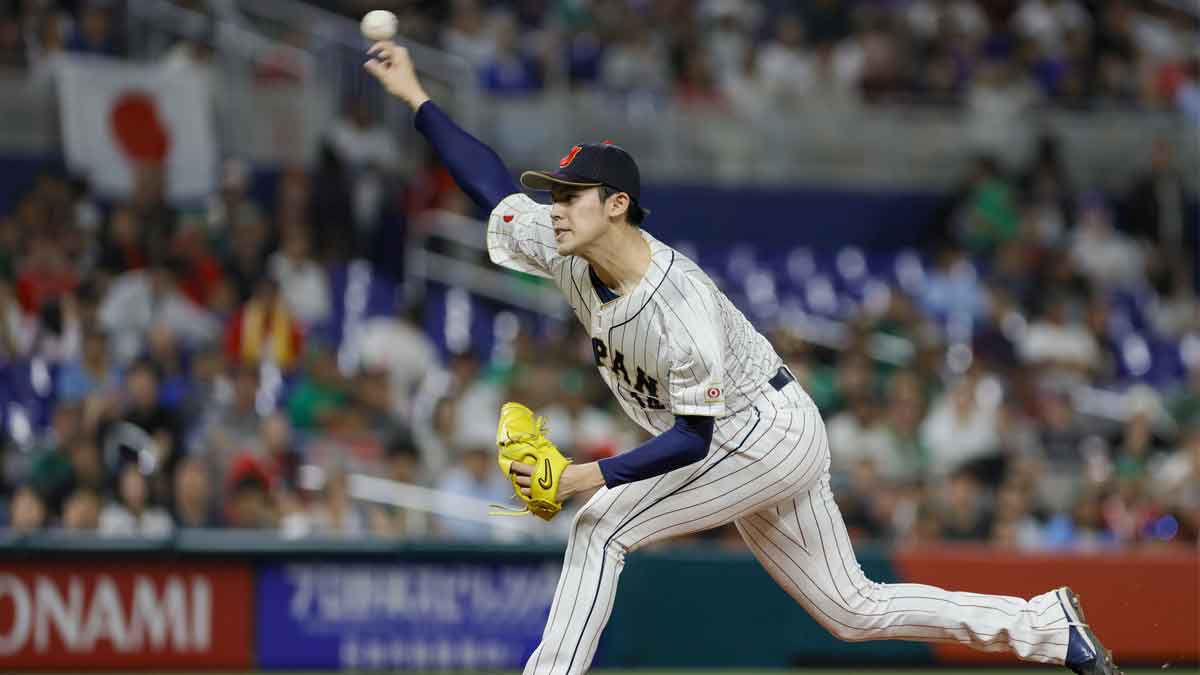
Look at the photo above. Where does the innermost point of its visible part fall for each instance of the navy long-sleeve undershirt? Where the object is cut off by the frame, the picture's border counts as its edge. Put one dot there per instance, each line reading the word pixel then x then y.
pixel 476 168
pixel 685 443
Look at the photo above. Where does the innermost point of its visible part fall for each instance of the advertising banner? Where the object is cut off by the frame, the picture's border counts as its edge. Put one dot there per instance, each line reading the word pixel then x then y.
pixel 400 616
pixel 124 614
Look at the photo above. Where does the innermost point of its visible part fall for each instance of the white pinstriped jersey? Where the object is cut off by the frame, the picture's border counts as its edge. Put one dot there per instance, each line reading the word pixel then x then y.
pixel 675 345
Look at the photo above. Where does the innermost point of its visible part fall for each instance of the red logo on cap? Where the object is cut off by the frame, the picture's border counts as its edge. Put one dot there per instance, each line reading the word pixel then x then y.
pixel 508 218
pixel 566 161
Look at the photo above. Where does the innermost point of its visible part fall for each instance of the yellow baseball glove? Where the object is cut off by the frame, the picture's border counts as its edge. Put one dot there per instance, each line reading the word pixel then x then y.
pixel 521 438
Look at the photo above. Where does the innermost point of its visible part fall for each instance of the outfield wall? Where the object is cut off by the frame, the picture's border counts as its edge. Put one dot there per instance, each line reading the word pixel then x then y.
pixel 238 601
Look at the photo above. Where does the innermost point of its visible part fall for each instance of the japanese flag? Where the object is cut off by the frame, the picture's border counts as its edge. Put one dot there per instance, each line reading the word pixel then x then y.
pixel 117 115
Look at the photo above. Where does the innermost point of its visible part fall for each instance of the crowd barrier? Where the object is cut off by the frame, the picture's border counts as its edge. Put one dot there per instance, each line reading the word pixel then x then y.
pixel 220 600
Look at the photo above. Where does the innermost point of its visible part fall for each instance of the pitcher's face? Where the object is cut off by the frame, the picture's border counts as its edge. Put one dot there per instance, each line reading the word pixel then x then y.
pixel 579 217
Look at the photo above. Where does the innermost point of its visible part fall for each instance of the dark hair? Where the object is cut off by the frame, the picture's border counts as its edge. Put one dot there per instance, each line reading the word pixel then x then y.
pixel 402 444
pixel 634 214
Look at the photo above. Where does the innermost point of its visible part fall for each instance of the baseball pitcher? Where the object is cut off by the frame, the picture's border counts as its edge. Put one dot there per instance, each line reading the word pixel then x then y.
pixel 736 439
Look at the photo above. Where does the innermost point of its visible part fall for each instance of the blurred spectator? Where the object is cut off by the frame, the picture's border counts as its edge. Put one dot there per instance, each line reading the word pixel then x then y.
pixel 403 466
pixel 321 392
pixel 82 511
pixel 398 345
pixel 264 330
pixel 95 31
pixel 995 341
pixel 44 275
pixel 232 207
pixel 1014 525
pixel 144 430
pixel 201 276
pixel 858 435
pixel 472 476
pixel 280 453
pixel 1048 22
pixel 231 425
pixel 1177 476
pixel 1081 529
pixel 331 204
pixel 372 401
pixel 509 71
pixel 162 348
pixel 729 33
pixel 27 512
pixel 132 514
pixel 927 20
pixel 361 141
pixel 12 42
pixel 193 505
pixel 248 501
pixel 1103 254
pixel 51 472
pixel 582 430
pixel 149 202
pixel 961 426
pixel 303 282
pixel 964 509
pixel 999 96
pixel 371 156
pixel 1157 213
pixel 93 372
pixel 1046 188
pixel 903 416
pixel 697 83
pixel 1058 343
pixel 952 290
pixel 744 88
pixel 246 257
pixel 466 35
pixel 138 299
pixel 990 217
pixel 332 512
pixel 637 61
pixel 786 67
pixel 194 55
pixel 124 249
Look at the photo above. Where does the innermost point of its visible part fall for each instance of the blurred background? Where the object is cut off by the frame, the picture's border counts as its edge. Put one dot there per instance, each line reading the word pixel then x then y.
pixel 252 350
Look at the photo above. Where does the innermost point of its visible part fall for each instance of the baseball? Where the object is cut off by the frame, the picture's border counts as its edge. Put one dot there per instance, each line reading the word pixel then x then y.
pixel 379 24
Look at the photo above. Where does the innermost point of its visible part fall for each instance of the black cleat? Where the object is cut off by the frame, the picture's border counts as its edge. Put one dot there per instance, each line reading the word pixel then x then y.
pixel 1085 654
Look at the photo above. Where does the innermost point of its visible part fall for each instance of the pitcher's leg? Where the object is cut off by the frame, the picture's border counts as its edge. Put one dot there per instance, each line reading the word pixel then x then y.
pixel 729 482
pixel 803 544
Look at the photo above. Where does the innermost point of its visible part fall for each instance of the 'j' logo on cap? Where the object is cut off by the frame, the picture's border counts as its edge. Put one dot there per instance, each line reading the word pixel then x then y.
pixel 566 161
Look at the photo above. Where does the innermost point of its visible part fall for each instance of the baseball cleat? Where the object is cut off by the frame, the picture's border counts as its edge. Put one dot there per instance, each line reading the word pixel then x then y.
pixel 1085 654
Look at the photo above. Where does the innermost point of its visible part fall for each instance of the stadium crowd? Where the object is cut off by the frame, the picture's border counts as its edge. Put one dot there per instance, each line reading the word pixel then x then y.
pixel 164 369
pixel 977 54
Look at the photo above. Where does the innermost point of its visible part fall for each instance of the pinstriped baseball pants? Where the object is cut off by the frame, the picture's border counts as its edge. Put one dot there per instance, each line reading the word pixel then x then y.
pixel 768 473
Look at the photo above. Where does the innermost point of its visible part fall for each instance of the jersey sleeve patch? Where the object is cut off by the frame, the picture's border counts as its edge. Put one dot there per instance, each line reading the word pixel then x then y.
pixel 520 236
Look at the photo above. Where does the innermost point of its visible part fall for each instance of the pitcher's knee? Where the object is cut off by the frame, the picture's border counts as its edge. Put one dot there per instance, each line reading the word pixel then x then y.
pixel 854 619
pixel 847 632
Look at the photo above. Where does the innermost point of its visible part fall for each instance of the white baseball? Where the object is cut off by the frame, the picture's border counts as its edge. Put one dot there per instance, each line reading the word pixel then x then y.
pixel 379 24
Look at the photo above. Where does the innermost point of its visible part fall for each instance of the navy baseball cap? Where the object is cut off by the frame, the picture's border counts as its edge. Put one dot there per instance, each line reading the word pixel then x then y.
pixel 591 165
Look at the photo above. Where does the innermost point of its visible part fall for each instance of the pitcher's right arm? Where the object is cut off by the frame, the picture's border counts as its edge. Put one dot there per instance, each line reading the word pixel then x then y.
pixel 475 167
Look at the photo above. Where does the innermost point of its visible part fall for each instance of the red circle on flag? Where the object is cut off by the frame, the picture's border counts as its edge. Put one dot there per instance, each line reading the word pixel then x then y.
pixel 713 392
pixel 138 128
